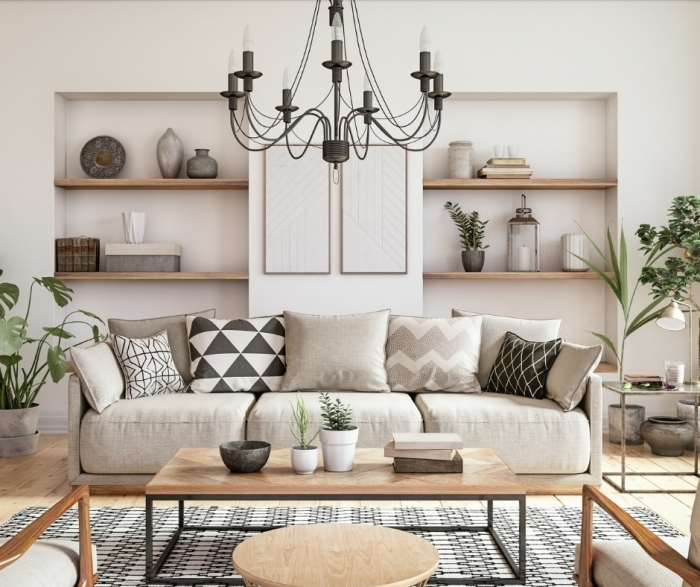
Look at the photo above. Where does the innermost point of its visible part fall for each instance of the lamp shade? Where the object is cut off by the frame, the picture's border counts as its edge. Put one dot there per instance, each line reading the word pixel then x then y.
pixel 671 318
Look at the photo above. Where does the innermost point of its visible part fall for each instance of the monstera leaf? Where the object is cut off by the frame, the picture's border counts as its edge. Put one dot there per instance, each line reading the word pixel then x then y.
pixel 12 335
pixel 61 292
pixel 9 296
pixel 56 357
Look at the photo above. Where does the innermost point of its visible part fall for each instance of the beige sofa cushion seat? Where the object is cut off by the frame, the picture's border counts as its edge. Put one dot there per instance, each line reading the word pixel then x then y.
pixel 377 415
pixel 623 563
pixel 48 563
pixel 531 435
pixel 141 435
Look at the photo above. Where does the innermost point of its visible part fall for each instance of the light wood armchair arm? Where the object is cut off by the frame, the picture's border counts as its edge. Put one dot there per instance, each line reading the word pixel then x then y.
pixel 654 546
pixel 14 548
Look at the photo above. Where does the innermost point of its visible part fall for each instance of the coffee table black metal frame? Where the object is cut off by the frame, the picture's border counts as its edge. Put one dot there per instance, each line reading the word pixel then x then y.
pixel 518 568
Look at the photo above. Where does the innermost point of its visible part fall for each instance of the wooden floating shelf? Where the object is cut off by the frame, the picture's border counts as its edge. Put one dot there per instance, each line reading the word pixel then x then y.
pixel 152 184
pixel 519 184
pixel 525 275
pixel 147 276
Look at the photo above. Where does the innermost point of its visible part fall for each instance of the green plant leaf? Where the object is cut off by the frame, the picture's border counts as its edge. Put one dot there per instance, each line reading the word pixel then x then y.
pixel 91 315
pixel 645 316
pixel 96 336
pixel 609 343
pixel 9 296
pixel 10 360
pixel 56 358
pixel 61 292
pixel 622 273
pixel 58 331
pixel 12 335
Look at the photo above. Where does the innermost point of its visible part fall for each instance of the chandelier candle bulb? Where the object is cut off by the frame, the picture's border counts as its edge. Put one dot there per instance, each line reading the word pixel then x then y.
pixel 247 41
pixel 337 29
pixel 425 41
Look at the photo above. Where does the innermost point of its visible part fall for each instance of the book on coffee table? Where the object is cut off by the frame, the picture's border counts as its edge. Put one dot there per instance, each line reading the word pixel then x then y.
pixel 437 454
pixel 454 465
pixel 427 440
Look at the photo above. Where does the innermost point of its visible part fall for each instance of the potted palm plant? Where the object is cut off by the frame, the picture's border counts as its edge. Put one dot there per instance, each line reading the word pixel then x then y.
pixel 26 363
pixel 304 456
pixel 338 436
pixel 471 233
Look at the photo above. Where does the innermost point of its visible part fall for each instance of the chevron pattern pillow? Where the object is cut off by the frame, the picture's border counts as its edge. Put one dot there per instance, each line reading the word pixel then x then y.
pixel 236 355
pixel 522 366
pixel 433 354
pixel 148 366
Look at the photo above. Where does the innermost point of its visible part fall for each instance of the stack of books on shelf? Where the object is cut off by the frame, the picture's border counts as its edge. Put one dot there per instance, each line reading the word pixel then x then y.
pixel 506 168
pixel 425 453
pixel 77 254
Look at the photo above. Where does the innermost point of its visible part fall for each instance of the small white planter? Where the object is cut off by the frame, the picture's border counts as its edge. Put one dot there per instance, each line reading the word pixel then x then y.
pixel 338 449
pixel 304 462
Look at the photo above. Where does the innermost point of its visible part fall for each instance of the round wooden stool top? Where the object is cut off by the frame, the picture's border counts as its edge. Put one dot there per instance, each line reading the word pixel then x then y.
pixel 335 555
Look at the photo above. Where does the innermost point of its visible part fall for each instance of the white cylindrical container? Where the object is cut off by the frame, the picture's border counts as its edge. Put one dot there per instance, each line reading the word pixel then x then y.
pixel 338 448
pixel 134 226
pixel 578 245
pixel 304 462
pixel 461 160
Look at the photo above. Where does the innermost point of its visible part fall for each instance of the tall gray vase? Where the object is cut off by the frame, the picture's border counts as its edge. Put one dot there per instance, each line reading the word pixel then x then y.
pixel 170 154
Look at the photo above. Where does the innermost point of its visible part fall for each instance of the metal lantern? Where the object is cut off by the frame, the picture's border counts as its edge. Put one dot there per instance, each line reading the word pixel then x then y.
pixel 523 240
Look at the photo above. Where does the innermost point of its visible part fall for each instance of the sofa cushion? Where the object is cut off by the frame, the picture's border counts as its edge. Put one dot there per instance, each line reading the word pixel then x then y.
pixel 132 437
pixel 433 354
pixel 568 377
pixel 47 563
pixel 377 416
pixel 100 373
pixel 177 335
pixel 493 332
pixel 344 353
pixel 530 435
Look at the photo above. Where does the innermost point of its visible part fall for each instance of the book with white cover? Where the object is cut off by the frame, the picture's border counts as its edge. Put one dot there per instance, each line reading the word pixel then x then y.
pixel 427 440
pixel 436 454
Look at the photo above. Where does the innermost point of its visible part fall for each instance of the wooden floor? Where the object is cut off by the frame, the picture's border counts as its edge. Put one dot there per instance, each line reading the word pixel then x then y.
pixel 41 479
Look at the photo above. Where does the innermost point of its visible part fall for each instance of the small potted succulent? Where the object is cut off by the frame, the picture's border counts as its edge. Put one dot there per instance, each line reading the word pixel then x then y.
pixel 471 234
pixel 304 456
pixel 338 436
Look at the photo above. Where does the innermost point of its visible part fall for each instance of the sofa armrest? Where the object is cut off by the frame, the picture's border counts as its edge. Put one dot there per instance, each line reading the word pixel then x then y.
pixel 592 405
pixel 77 406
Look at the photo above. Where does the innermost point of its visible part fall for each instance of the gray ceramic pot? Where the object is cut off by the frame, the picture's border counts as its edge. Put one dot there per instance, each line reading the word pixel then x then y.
pixel 202 166
pixel 473 261
pixel 18 432
pixel 170 153
pixel 667 436
pixel 245 456
pixel 686 409
pixel 634 416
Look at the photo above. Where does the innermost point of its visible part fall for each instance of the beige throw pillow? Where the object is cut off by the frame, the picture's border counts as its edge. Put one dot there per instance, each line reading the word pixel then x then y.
pixel 568 377
pixel 337 353
pixel 100 375
pixel 493 333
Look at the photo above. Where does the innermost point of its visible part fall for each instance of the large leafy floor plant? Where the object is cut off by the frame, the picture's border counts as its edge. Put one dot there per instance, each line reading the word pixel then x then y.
pixel 26 363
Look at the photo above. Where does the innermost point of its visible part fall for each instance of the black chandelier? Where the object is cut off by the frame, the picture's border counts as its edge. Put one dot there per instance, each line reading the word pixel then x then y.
pixel 340 131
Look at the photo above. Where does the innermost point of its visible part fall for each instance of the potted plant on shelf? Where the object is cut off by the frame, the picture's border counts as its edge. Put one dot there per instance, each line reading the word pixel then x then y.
pixel 471 234
pixel 338 436
pixel 26 363
pixel 304 456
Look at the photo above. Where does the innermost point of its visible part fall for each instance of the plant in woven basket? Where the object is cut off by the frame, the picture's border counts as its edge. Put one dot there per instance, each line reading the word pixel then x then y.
pixel 471 228
pixel 335 414
pixel 301 420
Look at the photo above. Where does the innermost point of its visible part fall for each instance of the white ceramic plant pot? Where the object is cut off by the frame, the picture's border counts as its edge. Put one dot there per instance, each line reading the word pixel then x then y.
pixel 304 462
pixel 338 449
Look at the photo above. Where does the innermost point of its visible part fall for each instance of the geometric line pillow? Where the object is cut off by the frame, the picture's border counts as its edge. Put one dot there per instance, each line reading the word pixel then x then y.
pixel 433 354
pixel 236 355
pixel 148 366
pixel 521 366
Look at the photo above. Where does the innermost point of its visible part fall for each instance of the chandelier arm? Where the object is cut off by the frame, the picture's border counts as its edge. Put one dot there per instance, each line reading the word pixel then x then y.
pixel 251 110
pixel 406 148
pixel 251 121
pixel 409 138
pixel 414 107
pixel 351 106
pixel 286 132
pixel 307 143
pixel 238 125
pixel 293 117
pixel 354 146
pixel 307 50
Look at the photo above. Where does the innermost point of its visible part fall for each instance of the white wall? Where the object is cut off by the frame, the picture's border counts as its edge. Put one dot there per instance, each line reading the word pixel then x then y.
pixel 645 52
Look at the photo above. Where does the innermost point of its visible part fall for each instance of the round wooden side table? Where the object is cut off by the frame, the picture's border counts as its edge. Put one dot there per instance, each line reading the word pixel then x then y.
pixel 335 555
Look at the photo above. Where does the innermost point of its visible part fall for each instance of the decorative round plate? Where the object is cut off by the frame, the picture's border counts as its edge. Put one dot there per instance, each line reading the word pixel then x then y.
pixel 102 157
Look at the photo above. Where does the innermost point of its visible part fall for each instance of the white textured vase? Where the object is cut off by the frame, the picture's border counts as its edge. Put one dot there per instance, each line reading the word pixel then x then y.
pixel 460 156
pixel 170 154
pixel 304 462
pixel 134 226
pixel 577 244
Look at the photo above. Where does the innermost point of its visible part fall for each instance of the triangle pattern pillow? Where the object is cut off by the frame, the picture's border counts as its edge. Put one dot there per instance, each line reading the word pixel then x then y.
pixel 236 355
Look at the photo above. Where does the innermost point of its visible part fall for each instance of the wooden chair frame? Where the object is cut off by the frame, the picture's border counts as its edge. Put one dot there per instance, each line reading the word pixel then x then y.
pixel 17 546
pixel 654 546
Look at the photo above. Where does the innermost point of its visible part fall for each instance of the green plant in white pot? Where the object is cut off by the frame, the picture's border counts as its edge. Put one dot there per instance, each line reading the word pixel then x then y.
pixel 471 234
pixel 304 456
pixel 338 435
pixel 26 363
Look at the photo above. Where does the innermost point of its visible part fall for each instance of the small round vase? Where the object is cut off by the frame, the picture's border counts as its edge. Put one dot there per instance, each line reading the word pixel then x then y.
pixel 202 166
pixel 667 436
pixel 473 261
pixel 170 153
pixel 304 462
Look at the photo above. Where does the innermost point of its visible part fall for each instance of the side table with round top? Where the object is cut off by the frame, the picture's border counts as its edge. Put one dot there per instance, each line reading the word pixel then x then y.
pixel 335 555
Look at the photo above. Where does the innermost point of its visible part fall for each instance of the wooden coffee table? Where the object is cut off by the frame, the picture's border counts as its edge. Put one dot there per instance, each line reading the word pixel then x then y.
pixel 196 474
pixel 335 555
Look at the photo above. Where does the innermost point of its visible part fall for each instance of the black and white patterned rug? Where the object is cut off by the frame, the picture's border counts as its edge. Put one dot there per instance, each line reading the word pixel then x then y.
pixel 552 533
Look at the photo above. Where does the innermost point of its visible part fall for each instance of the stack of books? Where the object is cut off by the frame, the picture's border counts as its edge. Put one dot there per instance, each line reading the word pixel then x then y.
pixel 644 379
pixel 425 453
pixel 506 168
pixel 77 254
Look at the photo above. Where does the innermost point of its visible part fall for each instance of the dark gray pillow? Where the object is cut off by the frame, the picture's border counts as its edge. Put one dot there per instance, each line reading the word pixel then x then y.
pixel 522 366
pixel 176 327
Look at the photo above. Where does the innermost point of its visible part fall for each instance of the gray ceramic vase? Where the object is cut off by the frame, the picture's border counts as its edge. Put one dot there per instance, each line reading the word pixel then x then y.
pixel 667 436
pixel 18 432
pixel 634 416
pixel 170 154
pixel 202 166
pixel 686 410
pixel 473 261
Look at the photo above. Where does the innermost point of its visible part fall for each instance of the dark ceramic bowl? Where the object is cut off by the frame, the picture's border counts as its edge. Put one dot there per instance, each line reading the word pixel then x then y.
pixel 245 456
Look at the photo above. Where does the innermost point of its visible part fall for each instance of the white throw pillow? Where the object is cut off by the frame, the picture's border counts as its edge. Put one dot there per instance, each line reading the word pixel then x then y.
pixel 100 374
pixel 433 354
pixel 493 333
pixel 568 377
pixel 336 353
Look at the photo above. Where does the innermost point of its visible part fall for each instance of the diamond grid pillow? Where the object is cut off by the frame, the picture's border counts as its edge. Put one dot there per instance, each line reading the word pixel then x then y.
pixel 521 366
pixel 148 366
pixel 236 355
